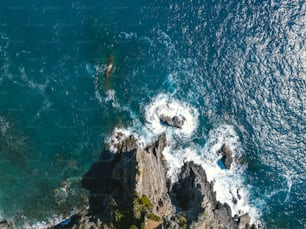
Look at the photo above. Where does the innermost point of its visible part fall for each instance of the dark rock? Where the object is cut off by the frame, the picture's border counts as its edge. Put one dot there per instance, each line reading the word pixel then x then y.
pixel 175 121
pixel 195 198
pixel 112 179
pixel 188 191
pixel 130 185
pixel 238 194
pixel 125 144
pixel 244 221
pixel 234 200
pixel 227 156
pixel 223 214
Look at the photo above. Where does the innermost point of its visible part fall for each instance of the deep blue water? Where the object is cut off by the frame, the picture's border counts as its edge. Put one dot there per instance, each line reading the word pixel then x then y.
pixel 241 63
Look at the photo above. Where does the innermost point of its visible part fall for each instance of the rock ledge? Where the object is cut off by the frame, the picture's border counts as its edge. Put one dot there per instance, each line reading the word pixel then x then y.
pixel 130 189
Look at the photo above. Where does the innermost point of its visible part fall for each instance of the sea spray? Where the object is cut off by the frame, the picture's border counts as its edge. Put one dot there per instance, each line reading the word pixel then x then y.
pixel 164 104
pixel 229 184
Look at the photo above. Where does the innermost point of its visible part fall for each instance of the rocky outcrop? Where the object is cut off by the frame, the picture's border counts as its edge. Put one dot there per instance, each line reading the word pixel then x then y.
pixel 130 189
pixel 227 156
pixel 196 202
pixel 175 121
pixel 4 224
pixel 151 179
pixel 244 221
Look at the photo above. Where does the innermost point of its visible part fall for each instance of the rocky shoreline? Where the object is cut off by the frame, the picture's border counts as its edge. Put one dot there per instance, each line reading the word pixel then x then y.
pixel 130 189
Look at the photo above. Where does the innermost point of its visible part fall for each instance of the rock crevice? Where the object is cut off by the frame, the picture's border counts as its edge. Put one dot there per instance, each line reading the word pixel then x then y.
pixel 130 189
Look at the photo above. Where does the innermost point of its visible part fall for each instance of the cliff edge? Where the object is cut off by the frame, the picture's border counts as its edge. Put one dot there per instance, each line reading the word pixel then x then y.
pixel 130 189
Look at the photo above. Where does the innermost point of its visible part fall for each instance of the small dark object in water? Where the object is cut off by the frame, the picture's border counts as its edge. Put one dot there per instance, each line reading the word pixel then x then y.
pixel 238 194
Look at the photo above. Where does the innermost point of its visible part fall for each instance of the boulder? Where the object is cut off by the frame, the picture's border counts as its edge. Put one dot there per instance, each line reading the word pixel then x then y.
pixel 4 224
pixel 175 121
pixel 244 221
pixel 227 156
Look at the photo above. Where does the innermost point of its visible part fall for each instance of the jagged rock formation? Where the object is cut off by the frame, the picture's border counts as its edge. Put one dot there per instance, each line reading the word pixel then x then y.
pixel 130 189
pixel 151 180
pixel 196 200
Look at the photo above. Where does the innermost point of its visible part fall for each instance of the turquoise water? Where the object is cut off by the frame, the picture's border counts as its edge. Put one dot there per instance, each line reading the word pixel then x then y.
pixel 237 63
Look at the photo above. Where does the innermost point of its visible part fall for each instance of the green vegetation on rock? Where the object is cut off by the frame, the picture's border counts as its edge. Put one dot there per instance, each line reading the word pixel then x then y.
pixel 153 217
pixel 141 205
pixel 146 202
pixel 138 172
pixel 118 216
pixel 113 203
pixel 182 221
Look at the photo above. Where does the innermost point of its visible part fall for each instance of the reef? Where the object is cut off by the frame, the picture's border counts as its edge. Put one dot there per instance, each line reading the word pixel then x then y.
pixel 130 189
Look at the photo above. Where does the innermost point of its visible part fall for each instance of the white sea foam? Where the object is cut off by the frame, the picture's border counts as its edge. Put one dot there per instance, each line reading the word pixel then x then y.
pixel 111 97
pixel 90 70
pixel 228 184
pixel 100 68
pixel 51 222
pixel 126 35
pixel 289 186
pixel 120 134
pixel 164 104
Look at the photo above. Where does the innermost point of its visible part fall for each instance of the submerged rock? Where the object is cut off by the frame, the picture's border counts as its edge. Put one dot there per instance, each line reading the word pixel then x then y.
pixel 227 156
pixel 175 121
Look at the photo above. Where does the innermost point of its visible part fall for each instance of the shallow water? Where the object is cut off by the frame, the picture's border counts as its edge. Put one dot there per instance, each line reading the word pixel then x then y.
pixel 238 66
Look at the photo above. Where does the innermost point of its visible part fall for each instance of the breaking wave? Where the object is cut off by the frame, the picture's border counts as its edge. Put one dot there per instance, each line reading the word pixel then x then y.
pixel 229 184
pixel 164 104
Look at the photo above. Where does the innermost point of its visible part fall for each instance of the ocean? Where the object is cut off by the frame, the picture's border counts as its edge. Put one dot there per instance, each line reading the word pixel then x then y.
pixel 236 70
